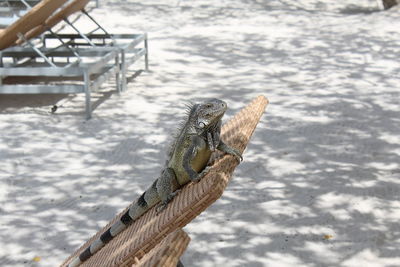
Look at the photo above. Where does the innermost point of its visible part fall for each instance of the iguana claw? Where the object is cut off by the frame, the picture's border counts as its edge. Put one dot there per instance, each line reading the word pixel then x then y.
pixel 234 152
pixel 238 157
pixel 202 174
pixel 230 150
pixel 164 204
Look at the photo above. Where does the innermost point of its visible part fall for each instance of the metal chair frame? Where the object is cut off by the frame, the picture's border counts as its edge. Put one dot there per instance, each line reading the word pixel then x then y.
pixel 90 58
pixel 87 76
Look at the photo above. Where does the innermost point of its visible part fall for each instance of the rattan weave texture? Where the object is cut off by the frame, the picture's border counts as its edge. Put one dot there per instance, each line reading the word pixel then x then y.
pixel 167 252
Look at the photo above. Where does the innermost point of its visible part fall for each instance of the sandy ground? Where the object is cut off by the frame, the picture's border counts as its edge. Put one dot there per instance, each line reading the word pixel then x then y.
pixel 320 180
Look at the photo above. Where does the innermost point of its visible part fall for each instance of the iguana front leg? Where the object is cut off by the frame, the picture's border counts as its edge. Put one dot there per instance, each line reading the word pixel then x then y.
pixel 210 141
pixel 230 150
pixel 217 134
pixel 198 154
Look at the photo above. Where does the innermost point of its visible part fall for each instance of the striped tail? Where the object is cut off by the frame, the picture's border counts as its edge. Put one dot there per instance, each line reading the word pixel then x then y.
pixel 148 199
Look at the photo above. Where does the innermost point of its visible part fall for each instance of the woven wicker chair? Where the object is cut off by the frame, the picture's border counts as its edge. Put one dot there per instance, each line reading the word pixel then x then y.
pixel 150 229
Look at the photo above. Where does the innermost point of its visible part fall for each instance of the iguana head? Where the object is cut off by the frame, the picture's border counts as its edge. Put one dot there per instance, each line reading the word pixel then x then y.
pixel 206 115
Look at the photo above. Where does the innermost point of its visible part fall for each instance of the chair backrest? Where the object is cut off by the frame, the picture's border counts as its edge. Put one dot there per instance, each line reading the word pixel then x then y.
pixel 36 16
pixel 67 10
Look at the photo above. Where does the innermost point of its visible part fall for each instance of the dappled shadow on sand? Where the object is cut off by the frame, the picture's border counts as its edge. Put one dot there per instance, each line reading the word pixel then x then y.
pixel 319 185
pixel 353 10
pixel 322 189
pixel 47 104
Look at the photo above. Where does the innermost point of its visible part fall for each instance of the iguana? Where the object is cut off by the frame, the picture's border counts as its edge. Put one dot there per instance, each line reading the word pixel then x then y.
pixel 197 139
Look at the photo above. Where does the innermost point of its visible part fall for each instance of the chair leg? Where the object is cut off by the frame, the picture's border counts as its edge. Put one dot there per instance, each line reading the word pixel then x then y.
pixel 146 56
pixel 86 80
pixel 123 70
pixel 118 73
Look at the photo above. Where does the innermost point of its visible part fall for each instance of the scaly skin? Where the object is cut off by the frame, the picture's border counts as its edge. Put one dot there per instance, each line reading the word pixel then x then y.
pixel 190 153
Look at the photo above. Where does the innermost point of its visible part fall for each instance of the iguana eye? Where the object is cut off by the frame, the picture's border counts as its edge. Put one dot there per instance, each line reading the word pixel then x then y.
pixel 202 125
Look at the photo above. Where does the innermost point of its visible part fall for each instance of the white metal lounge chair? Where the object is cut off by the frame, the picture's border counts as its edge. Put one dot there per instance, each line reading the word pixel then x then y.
pixel 82 70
